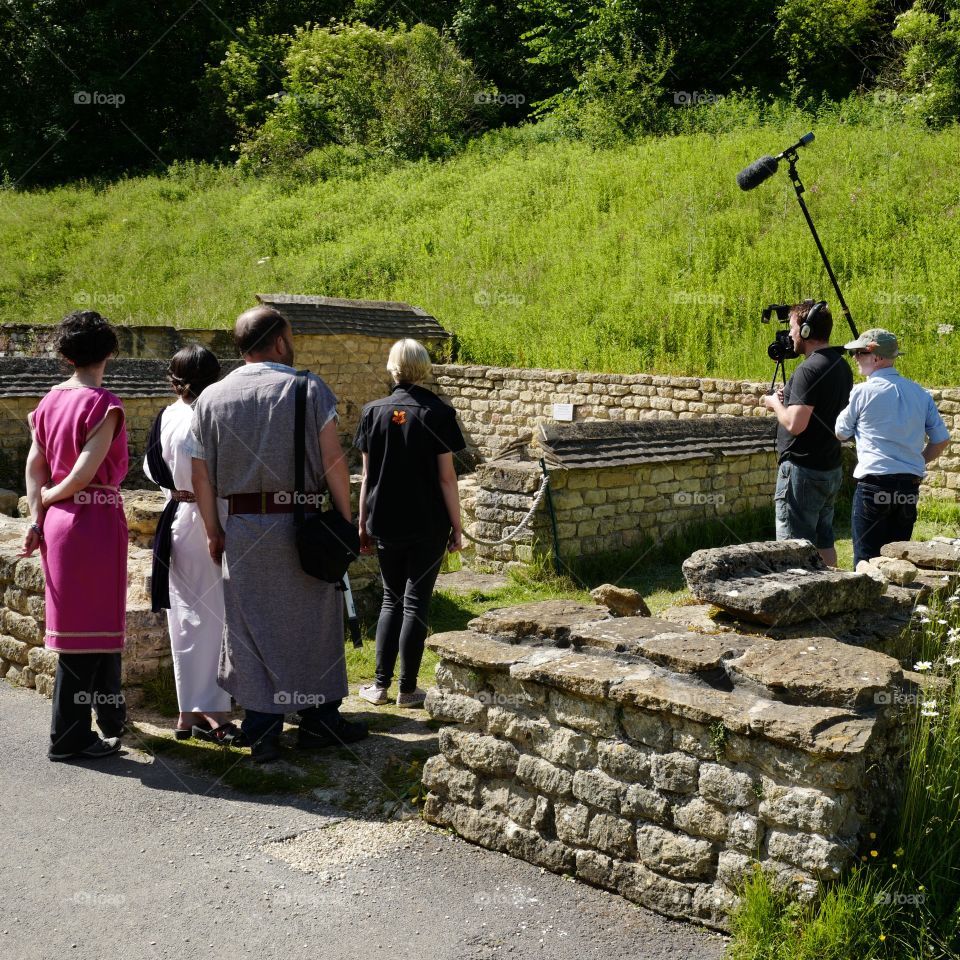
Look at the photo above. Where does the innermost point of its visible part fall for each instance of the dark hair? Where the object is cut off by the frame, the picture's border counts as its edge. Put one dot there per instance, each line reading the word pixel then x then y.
pixel 192 370
pixel 822 324
pixel 85 338
pixel 257 327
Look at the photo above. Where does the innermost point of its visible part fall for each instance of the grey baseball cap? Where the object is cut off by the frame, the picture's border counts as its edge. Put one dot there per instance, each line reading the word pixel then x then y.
pixel 881 343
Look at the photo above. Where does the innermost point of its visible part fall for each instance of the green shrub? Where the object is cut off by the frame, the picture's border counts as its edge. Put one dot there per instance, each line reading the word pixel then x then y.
pixel 400 93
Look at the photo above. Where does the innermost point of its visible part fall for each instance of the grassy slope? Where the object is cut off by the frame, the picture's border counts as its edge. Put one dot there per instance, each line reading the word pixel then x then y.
pixel 647 257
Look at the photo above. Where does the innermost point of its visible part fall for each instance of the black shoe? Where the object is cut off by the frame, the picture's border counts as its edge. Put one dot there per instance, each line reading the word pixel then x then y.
pixel 334 733
pixel 96 750
pixel 265 750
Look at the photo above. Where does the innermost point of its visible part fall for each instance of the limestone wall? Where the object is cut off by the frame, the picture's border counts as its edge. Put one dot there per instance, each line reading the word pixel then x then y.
pixel 498 405
pixel 603 509
pixel 647 771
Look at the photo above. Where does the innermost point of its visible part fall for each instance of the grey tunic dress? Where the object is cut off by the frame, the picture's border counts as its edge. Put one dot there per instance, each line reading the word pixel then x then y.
pixel 283 630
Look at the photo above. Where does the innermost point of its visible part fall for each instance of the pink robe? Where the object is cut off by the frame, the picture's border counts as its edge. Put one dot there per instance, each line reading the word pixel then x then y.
pixel 84 548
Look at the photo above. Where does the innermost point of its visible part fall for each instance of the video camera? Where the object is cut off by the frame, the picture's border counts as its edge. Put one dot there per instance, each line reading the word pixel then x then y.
pixel 782 347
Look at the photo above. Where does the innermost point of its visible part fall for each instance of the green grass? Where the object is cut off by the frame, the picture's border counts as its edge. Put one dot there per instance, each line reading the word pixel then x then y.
pixel 536 251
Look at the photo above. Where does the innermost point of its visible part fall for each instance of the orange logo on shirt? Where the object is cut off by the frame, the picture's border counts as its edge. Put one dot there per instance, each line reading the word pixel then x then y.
pixel 400 417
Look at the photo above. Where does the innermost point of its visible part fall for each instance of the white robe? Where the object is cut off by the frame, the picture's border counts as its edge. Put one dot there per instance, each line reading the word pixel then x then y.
pixel 195 617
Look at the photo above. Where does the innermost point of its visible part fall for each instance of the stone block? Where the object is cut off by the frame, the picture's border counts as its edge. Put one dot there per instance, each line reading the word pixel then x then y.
pixel 647 728
pixel 550 619
pixel 675 772
pixel 612 835
pixel 530 846
pixel 574 673
pixel 810 852
pixel 562 746
pixel 487 754
pixel 599 870
pixel 677 855
pixel 16 651
pixel 596 718
pixel 464 648
pixel 640 802
pixel 744 832
pixel 700 818
pixel 620 601
pixel 42 660
pixel 940 553
pixel 571 822
pixel 776 582
pixel 597 789
pixel 725 786
pixel 29 575
pixel 443 778
pixel 803 808
pixel 456 679
pixel 647 888
pixel 455 708
pixel 44 685
pixel 623 762
pixel 544 777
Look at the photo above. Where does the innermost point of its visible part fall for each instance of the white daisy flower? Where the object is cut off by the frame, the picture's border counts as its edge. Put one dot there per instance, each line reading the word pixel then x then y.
pixel 922 665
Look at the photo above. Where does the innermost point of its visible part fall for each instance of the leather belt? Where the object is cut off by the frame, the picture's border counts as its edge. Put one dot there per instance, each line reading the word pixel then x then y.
pixel 280 501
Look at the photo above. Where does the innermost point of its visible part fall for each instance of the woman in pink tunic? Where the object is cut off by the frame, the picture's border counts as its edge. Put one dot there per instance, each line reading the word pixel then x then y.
pixel 76 463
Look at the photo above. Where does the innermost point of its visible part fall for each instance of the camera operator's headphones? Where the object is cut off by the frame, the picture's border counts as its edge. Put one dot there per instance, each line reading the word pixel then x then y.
pixel 806 329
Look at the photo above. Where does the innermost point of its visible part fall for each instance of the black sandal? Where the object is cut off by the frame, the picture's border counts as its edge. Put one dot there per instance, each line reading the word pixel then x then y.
pixel 225 735
pixel 185 733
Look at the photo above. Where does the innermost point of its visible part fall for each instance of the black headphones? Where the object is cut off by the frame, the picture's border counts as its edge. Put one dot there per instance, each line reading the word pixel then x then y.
pixel 806 329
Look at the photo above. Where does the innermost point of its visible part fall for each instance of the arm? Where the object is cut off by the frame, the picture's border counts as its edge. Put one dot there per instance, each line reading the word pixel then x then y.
pixel 366 544
pixel 794 419
pixel 335 468
pixel 88 463
pixel 451 497
pixel 933 450
pixel 38 473
pixel 206 498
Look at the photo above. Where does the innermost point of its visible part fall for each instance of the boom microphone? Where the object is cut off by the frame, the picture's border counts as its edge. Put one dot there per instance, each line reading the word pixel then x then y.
pixel 766 167
pixel 757 172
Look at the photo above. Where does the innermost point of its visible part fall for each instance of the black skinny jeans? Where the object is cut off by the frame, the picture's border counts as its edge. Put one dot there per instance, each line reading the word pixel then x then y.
pixel 86 682
pixel 409 572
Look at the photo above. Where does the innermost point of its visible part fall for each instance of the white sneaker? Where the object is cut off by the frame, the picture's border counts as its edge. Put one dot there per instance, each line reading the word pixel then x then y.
pixel 413 699
pixel 373 694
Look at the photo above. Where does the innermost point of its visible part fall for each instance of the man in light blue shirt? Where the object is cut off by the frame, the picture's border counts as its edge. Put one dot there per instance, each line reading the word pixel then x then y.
pixel 898 431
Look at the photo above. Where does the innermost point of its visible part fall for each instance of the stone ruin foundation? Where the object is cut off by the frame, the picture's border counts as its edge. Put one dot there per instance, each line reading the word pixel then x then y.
pixel 667 761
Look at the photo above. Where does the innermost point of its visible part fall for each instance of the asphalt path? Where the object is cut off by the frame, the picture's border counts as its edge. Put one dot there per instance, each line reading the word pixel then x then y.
pixel 136 857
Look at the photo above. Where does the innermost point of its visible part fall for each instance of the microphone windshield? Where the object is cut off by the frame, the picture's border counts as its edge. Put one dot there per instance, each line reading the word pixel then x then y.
pixel 757 172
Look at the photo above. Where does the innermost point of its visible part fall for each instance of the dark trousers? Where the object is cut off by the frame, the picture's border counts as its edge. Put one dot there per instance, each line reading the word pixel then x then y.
pixel 884 510
pixel 85 681
pixel 409 572
pixel 258 725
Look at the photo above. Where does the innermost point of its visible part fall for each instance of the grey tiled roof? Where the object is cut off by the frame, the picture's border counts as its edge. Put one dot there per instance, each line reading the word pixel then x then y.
pixel 621 443
pixel 34 376
pixel 372 318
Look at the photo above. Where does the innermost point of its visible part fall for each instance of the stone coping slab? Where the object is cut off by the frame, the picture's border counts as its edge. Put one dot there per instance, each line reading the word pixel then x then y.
pixel 777 582
pixel 549 619
pixel 940 553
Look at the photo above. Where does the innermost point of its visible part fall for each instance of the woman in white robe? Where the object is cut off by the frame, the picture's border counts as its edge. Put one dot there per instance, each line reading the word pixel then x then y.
pixel 195 603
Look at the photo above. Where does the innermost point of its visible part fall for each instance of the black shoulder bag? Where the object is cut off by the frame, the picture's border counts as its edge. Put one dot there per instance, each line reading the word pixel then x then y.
pixel 327 543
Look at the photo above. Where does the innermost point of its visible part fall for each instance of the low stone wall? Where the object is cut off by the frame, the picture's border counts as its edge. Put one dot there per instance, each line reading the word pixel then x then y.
pixel 499 405
pixel 601 509
pixel 23 658
pixel 634 755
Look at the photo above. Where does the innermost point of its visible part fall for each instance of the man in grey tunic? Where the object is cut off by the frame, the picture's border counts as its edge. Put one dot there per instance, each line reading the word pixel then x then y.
pixel 283 632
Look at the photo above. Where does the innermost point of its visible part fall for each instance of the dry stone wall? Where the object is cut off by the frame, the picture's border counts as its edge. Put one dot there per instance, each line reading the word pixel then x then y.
pixel 499 405
pixel 631 754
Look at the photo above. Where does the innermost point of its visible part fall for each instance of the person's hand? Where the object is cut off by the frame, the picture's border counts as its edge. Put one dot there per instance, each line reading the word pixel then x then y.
pixel 46 496
pixel 366 542
pixel 215 546
pixel 30 543
pixel 455 543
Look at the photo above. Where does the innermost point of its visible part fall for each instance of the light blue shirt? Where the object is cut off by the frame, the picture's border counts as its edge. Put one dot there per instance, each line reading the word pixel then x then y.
pixel 891 417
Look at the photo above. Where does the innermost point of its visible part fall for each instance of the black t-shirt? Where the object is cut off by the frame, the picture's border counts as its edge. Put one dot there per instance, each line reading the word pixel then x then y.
pixel 403 435
pixel 823 381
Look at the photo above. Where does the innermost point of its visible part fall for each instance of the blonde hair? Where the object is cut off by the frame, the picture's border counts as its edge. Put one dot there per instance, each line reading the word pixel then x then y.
pixel 409 361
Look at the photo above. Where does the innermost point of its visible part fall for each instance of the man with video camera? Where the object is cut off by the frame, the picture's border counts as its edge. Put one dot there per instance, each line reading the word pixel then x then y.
pixel 809 474
pixel 891 418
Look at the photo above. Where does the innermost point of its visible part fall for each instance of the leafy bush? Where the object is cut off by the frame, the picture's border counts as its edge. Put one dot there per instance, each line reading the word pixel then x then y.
pixel 401 93
pixel 931 62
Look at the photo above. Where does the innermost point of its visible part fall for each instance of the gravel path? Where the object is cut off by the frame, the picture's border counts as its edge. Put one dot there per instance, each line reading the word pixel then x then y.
pixel 137 857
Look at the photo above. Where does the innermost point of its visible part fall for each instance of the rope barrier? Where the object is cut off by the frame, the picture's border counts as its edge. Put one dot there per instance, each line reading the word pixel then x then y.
pixel 537 499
